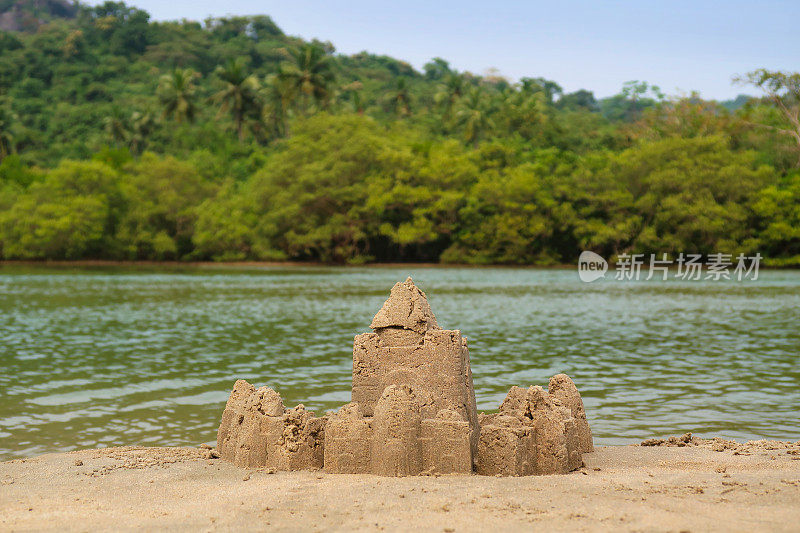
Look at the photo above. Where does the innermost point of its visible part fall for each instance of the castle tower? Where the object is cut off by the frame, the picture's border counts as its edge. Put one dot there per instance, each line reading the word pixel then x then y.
pixel 407 347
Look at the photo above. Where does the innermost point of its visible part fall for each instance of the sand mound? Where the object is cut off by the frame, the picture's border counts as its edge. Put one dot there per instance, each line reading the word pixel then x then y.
pixel 257 431
pixel 413 411
pixel 720 445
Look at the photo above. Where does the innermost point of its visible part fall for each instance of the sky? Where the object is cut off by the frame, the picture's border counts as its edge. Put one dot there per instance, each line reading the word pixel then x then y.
pixel 680 46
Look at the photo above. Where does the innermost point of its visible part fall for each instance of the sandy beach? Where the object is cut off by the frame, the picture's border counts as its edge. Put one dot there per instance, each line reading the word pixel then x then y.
pixel 747 487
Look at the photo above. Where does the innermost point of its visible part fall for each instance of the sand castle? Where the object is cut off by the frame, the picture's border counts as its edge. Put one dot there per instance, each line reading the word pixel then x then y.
pixel 412 412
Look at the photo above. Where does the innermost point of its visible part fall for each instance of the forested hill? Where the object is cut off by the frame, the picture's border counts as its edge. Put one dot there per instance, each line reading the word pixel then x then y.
pixel 75 82
pixel 123 138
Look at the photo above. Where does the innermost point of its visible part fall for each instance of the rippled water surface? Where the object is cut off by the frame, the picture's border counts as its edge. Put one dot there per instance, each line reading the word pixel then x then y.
pixel 100 357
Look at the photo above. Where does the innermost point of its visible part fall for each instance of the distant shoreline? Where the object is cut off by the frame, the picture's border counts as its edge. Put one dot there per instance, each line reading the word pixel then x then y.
pixel 301 264
pixel 258 264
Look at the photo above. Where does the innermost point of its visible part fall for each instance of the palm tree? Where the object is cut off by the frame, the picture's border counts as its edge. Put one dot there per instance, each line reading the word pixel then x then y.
pixel 524 112
pixel 309 72
pixel 132 132
pixel 116 128
pixel 450 93
pixel 353 90
pixel 239 95
pixel 277 97
pixel 549 89
pixel 401 98
pixel 176 91
pixel 7 119
pixel 473 114
pixel 141 124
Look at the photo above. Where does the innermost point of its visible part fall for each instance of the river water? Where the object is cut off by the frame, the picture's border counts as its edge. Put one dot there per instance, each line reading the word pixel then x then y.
pixel 111 356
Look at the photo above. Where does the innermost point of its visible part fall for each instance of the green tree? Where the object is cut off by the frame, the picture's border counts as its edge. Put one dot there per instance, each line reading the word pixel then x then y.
pixel 239 95
pixel 450 92
pixel 116 128
pixel 133 132
pixel 777 208
pixel 309 200
pixel 72 214
pixel 123 30
pixel 227 228
pixel 162 198
pixel 580 99
pixel 547 88
pixel 278 95
pixel 353 92
pixel 526 113
pixel 142 124
pixel 783 91
pixel 309 72
pixel 17 174
pixel 7 124
pixel 177 94
pixel 635 97
pixel 686 117
pixel 436 69
pixel 474 114
pixel 416 200
pixel 400 98
pixel 672 195
pixel 518 214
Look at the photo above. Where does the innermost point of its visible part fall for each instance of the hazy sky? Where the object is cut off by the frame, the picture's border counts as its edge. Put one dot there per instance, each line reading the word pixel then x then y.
pixel 596 45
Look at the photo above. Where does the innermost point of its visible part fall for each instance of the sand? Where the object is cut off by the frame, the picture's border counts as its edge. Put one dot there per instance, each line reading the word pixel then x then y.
pixel 671 487
pixel 413 411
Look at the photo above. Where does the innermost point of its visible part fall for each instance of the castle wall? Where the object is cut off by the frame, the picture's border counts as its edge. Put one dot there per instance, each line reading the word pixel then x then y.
pixel 532 433
pixel 256 431
pixel 348 442
pixel 396 447
pixel 564 389
pixel 506 448
pixel 446 444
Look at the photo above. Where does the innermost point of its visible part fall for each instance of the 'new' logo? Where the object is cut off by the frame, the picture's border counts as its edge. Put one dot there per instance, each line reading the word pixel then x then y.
pixel 591 266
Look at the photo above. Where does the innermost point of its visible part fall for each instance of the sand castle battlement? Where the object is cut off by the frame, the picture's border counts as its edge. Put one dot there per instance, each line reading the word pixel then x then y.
pixel 413 411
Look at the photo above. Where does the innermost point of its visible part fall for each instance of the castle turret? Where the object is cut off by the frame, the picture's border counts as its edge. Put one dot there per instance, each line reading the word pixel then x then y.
pixel 407 347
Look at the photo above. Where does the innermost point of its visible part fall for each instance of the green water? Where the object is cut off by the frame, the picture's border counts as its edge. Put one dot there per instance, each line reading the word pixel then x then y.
pixel 101 357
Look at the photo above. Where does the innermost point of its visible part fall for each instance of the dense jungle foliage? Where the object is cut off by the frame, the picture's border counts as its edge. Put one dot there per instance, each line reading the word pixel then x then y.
pixel 122 138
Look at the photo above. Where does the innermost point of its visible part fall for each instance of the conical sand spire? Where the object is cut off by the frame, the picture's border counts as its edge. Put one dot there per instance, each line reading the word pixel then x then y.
pixel 408 348
pixel 407 308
